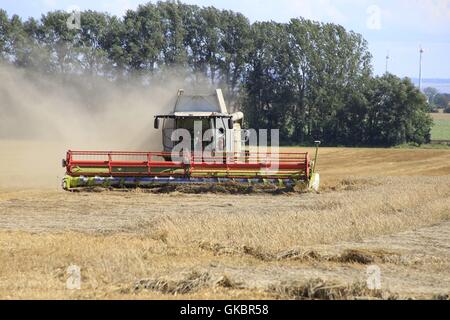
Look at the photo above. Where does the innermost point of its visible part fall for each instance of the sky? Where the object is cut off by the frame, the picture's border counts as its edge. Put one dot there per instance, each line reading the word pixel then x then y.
pixel 397 28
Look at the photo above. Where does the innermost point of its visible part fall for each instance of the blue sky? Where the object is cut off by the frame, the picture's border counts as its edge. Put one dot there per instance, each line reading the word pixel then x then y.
pixel 397 26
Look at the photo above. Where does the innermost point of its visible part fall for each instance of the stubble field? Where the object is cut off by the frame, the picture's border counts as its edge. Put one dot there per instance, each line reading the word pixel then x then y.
pixel 384 207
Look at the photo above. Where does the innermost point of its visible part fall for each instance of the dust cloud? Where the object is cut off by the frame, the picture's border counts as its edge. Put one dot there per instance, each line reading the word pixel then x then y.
pixel 43 116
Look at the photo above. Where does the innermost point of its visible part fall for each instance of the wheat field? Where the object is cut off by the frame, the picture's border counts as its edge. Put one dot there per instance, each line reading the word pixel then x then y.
pixel 388 207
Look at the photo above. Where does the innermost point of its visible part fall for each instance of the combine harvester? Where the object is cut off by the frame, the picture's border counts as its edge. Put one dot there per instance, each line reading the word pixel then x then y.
pixel 227 162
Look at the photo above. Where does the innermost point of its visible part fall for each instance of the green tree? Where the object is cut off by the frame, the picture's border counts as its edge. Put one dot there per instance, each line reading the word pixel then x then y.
pixel 173 50
pixel 60 42
pixel 143 38
pixel 115 44
pixel 4 36
pixel 267 84
pixel 235 45
pixel 90 43
pixel 441 101
pixel 430 92
pixel 398 113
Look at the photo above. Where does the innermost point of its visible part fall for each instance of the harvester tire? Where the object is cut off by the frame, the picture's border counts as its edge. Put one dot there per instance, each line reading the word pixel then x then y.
pixel 65 184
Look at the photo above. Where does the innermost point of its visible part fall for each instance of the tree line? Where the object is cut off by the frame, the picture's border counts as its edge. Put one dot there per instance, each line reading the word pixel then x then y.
pixel 310 80
pixel 437 100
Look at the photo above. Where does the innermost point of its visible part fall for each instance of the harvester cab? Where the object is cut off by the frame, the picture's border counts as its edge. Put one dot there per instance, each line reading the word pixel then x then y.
pixel 203 117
